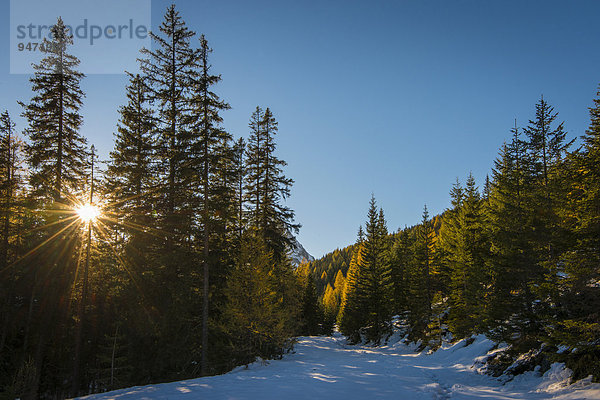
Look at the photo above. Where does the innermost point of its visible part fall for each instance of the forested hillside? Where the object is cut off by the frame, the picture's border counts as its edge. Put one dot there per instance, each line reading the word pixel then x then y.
pixel 330 271
pixel 516 258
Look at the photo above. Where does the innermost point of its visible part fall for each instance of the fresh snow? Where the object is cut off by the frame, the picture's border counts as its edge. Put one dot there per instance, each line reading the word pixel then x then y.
pixel 326 367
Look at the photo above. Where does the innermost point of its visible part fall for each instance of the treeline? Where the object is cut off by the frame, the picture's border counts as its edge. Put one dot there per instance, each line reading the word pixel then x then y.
pixel 518 260
pixel 184 272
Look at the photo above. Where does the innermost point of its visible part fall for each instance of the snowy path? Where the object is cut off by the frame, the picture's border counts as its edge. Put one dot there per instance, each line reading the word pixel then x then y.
pixel 323 367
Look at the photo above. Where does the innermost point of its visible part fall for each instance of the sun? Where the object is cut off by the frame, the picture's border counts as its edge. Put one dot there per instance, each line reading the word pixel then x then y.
pixel 88 212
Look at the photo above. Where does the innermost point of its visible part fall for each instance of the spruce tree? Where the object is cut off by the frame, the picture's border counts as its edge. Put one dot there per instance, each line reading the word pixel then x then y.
pixel 258 318
pixel 130 186
pixel 266 185
pixel 239 175
pixel 378 280
pixel 81 319
pixel 9 153
pixel 312 316
pixel 467 262
pixel 579 320
pixel 587 203
pixel 402 260
pixel 426 255
pixel 365 301
pixel 250 313
pixel 130 177
pixel 277 218
pixel 589 224
pixel 350 318
pixel 211 147
pixel 512 263
pixel 420 281
pixel 254 167
pixel 56 150
pixel 11 223
pixel 168 71
pixel 546 148
pixel 448 235
pixel 56 157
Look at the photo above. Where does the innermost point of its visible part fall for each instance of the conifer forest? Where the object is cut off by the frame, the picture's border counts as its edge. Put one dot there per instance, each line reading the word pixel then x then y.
pixel 170 260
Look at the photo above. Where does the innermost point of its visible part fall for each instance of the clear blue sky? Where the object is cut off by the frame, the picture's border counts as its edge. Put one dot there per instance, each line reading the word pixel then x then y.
pixel 395 98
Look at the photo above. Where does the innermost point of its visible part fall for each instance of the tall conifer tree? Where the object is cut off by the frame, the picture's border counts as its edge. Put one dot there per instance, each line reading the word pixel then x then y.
pixel 130 176
pixel 211 148
pixel 239 175
pixel 9 153
pixel 267 187
pixel 512 263
pixel 351 308
pixel 546 149
pixel 468 264
pixel 168 71
pixel 57 157
pixel 421 290
pixel 365 302
pixel 402 259
pixel 254 166
pixel 11 221
pixel 130 185
pixel 578 323
pixel 56 151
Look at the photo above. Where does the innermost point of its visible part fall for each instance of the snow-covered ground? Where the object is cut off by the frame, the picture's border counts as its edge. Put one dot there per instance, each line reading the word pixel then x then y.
pixel 325 367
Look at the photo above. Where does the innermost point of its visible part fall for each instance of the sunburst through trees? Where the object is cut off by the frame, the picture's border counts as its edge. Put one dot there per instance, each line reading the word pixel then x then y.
pixel 88 213
pixel 105 275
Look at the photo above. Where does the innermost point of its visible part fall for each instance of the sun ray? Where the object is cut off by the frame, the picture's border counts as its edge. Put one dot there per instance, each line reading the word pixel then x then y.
pixel 70 238
pixel 77 268
pixel 39 246
pixel 102 232
pixel 135 196
pixel 141 228
pixel 42 227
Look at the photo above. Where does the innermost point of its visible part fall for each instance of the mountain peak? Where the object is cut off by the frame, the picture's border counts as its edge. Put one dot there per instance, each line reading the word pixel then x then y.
pixel 298 253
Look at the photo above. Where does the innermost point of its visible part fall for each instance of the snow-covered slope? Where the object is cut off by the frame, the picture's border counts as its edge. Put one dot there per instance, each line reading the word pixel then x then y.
pixel 298 254
pixel 325 367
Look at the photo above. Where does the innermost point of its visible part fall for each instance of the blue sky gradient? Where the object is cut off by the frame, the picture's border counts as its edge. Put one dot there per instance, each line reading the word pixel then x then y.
pixel 395 98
